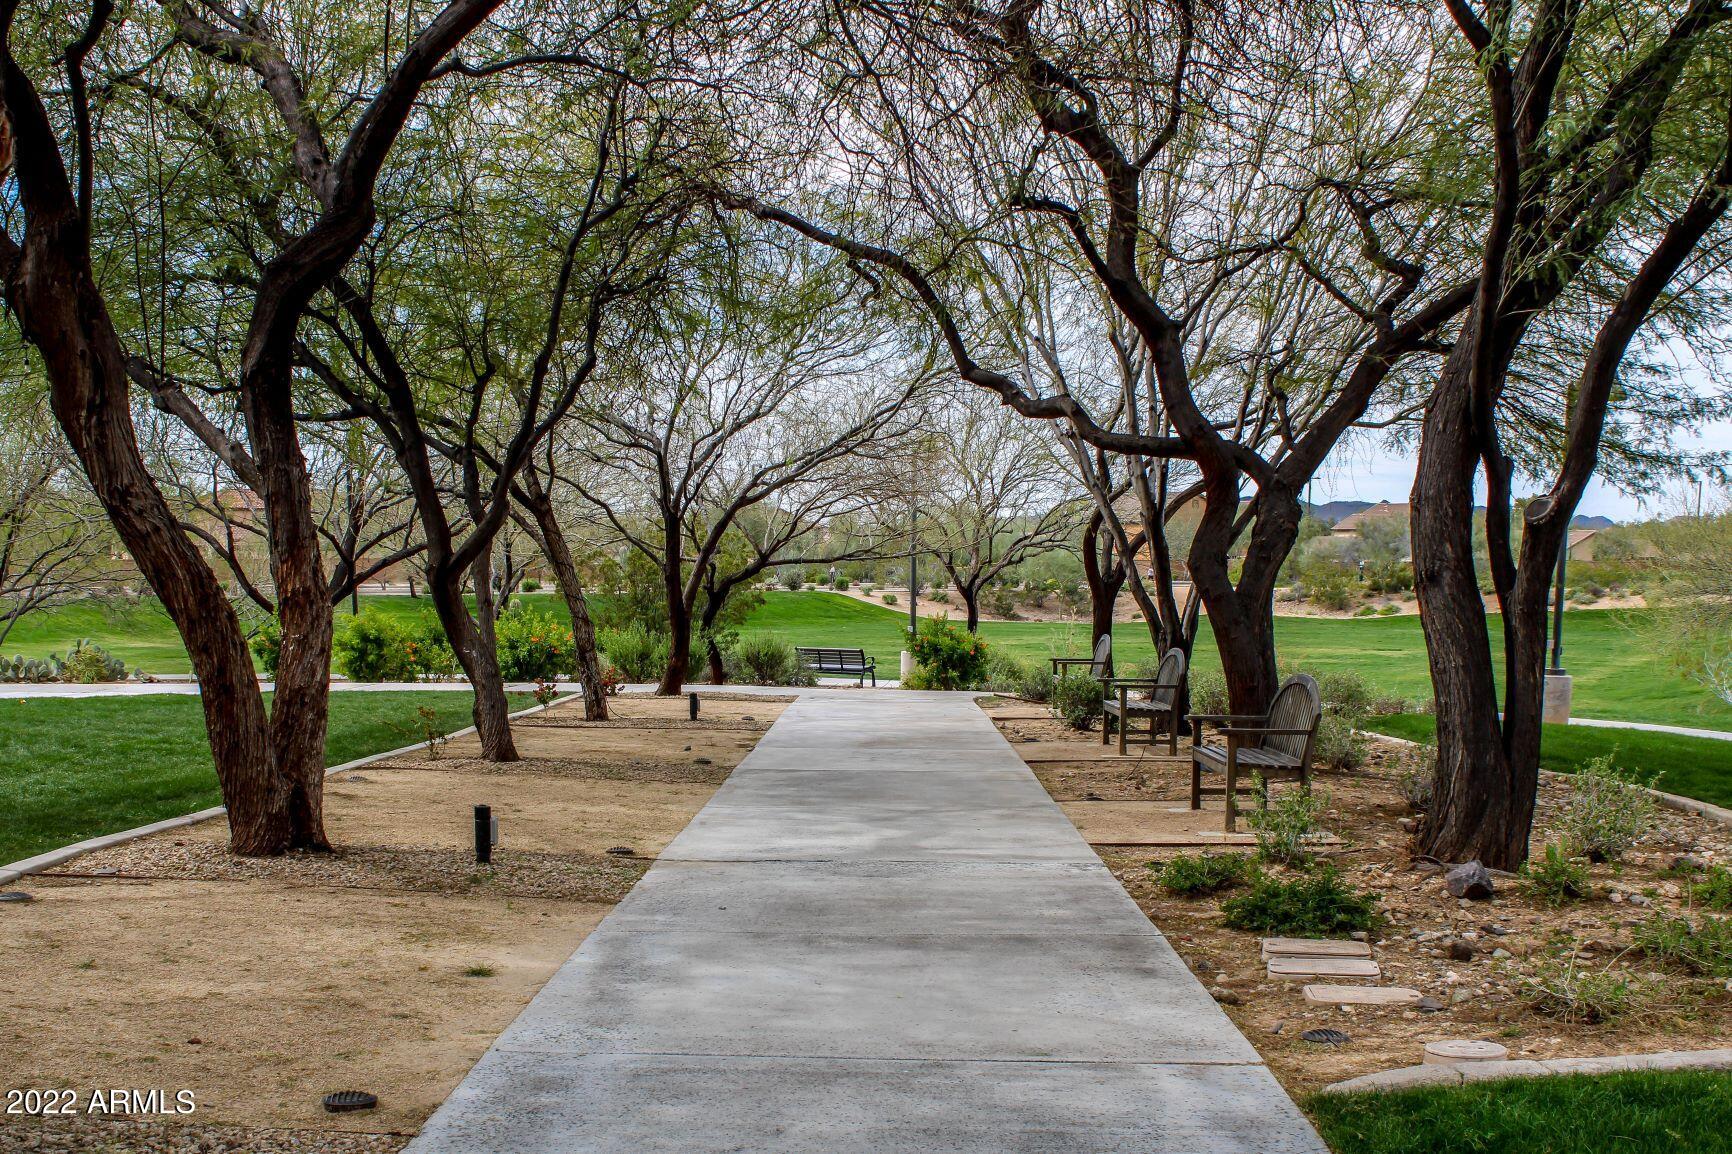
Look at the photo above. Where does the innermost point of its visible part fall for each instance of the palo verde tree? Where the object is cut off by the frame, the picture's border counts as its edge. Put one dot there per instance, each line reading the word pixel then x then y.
pixel 270 764
pixel 1605 127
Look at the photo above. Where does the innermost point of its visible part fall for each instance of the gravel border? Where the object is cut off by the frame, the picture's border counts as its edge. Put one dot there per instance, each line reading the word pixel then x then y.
pixel 15 870
pixel 1411 1077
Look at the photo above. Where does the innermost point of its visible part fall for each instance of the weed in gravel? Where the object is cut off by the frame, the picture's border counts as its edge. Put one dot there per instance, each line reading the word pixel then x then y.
pixel 1568 992
pixel 1702 947
pixel 1320 905
pixel 1556 879
pixel 1197 875
pixel 1282 829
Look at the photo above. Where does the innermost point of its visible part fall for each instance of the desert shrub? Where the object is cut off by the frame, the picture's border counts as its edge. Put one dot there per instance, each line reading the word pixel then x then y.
pixel 887 598
pixel 841 585
pixel 1000 601
pixel 1418 782
pixel 1715 889
pixel 1281 829
pixel 267 645
pixel 1556 878
pixel 1701 947
pixel 1365 611
pixel 19 670
pixel 792 580
pixel 948 656
pixel 372 646
pixel 1014 677
pixel 1345 692
pixel 1608 812
pixel 1329 585
pixel 867 587
pixel 531 585
pixel 1196 875
pixel 1077 699
pixel 1312 906
pixel 766 659
pixel 1209 692
pixel 1568 992
pixel 939 596
pixel 89 664
pixel 638 653
pixel 1337 746
pixel 533 646
pixel 429 649
pixel 1388 576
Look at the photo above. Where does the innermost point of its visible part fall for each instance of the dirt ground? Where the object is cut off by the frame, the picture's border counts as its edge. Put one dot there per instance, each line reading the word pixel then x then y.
pixel 1143 799
pixel 388 966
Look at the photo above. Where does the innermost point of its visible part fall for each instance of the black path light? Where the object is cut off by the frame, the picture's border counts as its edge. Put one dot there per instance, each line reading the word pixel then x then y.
pixel 486 834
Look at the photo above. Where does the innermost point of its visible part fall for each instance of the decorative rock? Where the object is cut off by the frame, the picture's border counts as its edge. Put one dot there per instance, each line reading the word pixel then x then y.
pixel 1472 881
pixel 1431 1005
pixel 1460 951
pixel 1456 1051
pixel 621 851
pixel 1688 863
pixel 1225 997
pixel 1325 1037
pixel 1500 952
pixel 1408 825
pixel 16 896
pixel 1313 948
pixel 1320 995
pixel 1300 969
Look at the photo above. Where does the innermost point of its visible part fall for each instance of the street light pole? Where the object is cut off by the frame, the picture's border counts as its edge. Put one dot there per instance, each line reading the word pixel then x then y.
pixel 1558 608
pixel 913 570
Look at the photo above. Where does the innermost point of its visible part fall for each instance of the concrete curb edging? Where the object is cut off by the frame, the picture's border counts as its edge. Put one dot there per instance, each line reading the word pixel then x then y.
pixel 31 865
pixel 1673 801
pixel 1413 1077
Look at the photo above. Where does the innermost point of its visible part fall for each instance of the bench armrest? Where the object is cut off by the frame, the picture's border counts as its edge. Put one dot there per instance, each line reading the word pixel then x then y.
pixel 1227 716
pixel 1139 683
pixel 1259 731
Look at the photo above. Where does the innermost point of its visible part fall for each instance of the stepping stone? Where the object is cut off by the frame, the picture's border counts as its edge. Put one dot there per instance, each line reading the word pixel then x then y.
pixel 1314 948
pixel 1302 969
pixel 1456 1052
pixel 1360 996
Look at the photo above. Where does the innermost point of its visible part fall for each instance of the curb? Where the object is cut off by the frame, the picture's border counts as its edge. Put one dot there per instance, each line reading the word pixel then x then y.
pixel 1413 1077
pixel 1719 815
pixel 13 871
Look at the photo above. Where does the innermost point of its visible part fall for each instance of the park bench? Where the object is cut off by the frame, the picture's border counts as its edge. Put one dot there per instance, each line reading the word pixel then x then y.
pixel 844 662
pixel 1097 665
pixel 1158 701
pixel 1275 746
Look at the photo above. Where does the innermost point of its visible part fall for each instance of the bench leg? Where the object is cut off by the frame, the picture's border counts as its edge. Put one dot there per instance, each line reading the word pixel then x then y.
pixel 1232 793
pixel 1106 727
pixel 1124 725
pixel 1173 732
pixel 1196 784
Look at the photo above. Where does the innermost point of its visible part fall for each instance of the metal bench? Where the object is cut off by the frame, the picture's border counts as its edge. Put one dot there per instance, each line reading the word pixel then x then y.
pixel 1097 665
pixel 1275 746
pixel 1159 702
pixel 845 662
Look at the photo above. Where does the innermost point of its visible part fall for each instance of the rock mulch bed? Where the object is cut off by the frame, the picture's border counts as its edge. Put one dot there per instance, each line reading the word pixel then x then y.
pixel 519 874
pixel 1476 963
pixel 86 1135
pixel 577 769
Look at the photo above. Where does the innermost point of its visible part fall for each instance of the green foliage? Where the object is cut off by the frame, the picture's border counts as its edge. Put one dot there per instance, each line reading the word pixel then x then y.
pixel 1703 946
pixel 1209 692
pixel 1015 677
pixel 1328 584
pixel 887 598
pixel 429 649
pixel 372 646
pixel 1196 875
pixel 531 585
pixel 768 659
pixel 1715 889
pixel 89 664
pixel 1564 990
pixel 947 656
pixel 1078 700
pixel 1282 829
pixel 793 580
pixel 1388 576
pixel 1337 746
pixel 638 653
pixel 1317 905
pixel 1608 812
pixel 1555 878
pixel 533 645
pixel 841 585
pixel 267 645
pixel 1418 781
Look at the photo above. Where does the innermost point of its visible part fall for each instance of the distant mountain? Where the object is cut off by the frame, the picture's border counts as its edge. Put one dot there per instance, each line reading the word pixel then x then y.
pixel 1332 511
pixel 1584 522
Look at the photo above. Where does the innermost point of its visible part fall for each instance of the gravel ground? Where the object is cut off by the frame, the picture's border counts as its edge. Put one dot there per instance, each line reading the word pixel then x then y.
pixel 86 1135
pixel 626 769
pixel 746 724
pixel 565 877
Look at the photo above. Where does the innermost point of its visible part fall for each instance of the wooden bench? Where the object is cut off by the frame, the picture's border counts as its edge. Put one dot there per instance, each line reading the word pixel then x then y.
pixel 845 662
pixel 1159 702
pixel 1275 746
pixel 1097 665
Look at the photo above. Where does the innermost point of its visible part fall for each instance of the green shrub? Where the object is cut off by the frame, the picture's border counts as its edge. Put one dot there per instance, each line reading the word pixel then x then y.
pixel 1701 947
pixel 1077 699
pixel 766 659
pixel 793 580
pixel 1556 878
pixel 636 652
pixel 1329 585
pixel 867 587
pixel 1281 829
pixel 948 656
pixel 1608 812
pixel 372 646
pixel 1715 889
pixel 1570 993
pixel 1337 746
pixel 939 596
pixel 429 649
pixel 1195 875
pixel 841 585
pixel 533 646
pixel 531 585
pixel 267 646
pixel 1388 576
pixel 1418 782
pixel 1014 677
pixel 89 664
pixel 1209 693
pixel 1344 692
pixel 887 598
pixel 1318 905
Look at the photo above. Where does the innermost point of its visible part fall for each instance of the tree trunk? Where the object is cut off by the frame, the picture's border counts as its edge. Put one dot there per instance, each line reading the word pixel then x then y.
pixel 1483 803
pixel 712 651
pixel 1104 572
pixel 1244 626
pixel 971 604
pixel 557 550
pixel 679 649
pixel 480 661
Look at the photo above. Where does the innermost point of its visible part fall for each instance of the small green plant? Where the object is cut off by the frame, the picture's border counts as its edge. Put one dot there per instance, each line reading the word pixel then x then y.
pixel 1282 829
pixel 1418 781
pixel 1337 747
pixel 267 645
pixel 546 692
pixel 1209 693
pixel 1608 811
pixel 1566 991
pixel 793 580
pixel 887 598
pixel 867 587
pixel 939 596
pixel 1315 905
pixel 531 585
pixel 1555 878
pixel 1715 889
pixel 948 656
pixel 533 646
pixel 1701 947
pixel 638 653
pixel 89 664
pixel 1014 677
pixel 1077 700
pixel 841 585
pixel 1196 875
pixel 479 972
pixel 429 649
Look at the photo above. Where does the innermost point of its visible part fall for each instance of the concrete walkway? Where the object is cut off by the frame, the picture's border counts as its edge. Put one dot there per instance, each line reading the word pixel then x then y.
pixel 880 935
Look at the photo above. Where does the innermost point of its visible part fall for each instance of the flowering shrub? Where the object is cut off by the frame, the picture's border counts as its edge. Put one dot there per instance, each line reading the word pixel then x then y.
pixel 948 657
pixel 372 646
pixel 428 649
pixel 533 646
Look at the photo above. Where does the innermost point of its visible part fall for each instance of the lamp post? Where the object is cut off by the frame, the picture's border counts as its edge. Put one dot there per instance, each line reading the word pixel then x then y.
pixel 1559 686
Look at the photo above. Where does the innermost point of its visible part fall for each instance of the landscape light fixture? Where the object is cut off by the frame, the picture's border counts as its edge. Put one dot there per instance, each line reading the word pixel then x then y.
pixel 486 834
pixel 694 701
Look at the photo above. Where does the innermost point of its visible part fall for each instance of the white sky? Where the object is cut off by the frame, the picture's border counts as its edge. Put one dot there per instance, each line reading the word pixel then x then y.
pixel 1373 472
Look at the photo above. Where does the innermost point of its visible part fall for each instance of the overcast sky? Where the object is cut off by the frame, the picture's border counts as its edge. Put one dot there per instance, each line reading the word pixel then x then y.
pixel 1372 472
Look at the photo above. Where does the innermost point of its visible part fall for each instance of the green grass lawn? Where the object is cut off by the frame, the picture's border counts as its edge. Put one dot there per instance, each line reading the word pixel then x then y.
pixel 73 768
pixel 1698 767
pixel 1635 1113
pixel 1620 673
